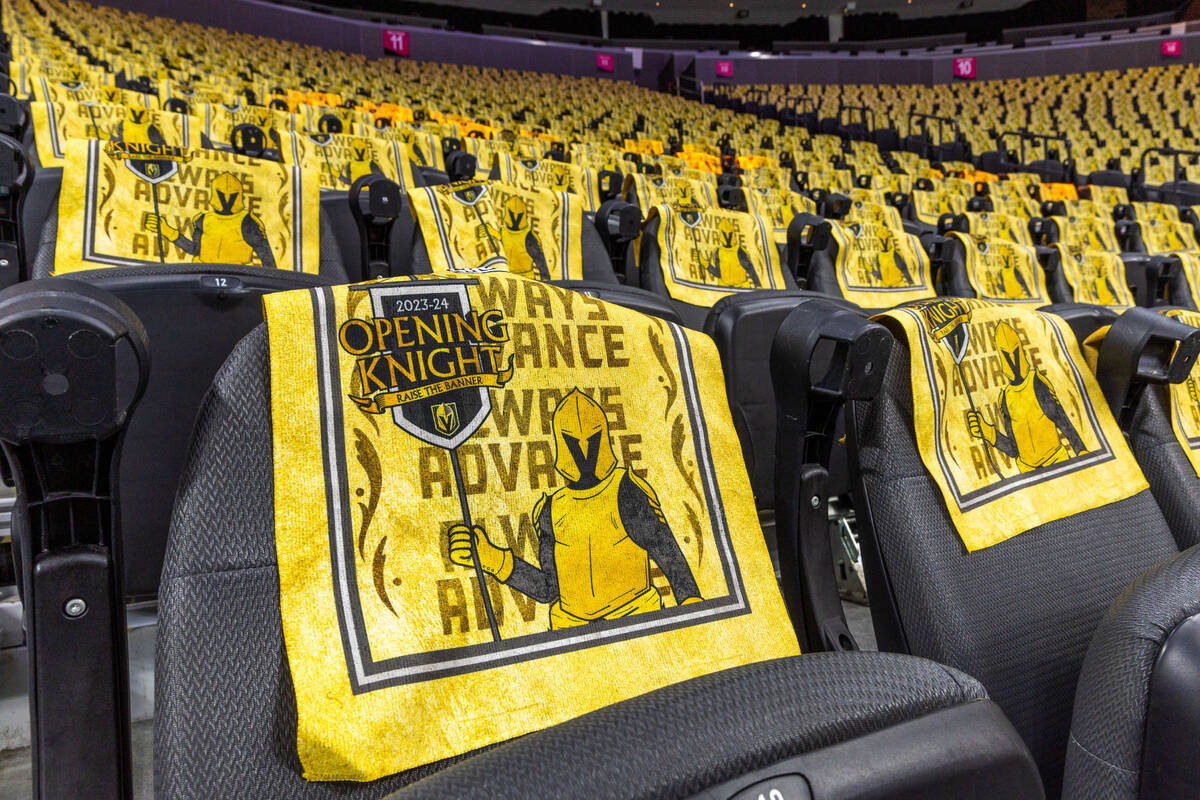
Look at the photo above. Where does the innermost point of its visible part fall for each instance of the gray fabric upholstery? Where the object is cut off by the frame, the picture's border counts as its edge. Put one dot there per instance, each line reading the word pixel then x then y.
pixel 1018 615
pixel 330 268
pixel 1171 476
pixel 662 745
pixel 225 711
pixel 1104 757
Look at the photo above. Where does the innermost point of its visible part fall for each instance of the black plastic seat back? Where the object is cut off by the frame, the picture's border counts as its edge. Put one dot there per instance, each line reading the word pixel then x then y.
pixel 193 316
pixel 627 296
pixel 744 327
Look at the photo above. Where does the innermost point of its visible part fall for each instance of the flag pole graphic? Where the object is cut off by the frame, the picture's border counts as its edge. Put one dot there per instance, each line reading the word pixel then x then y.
pixel 479 573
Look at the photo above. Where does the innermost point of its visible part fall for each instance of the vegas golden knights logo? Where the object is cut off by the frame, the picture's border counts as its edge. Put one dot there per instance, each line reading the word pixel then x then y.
pixel 445 418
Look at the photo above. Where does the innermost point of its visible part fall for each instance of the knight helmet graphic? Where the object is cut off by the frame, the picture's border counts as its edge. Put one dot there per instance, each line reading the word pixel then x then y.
pixel 596 534
pixel 1032 427
pixel 730 264
pixel 522 249
pixel 227 234
pixel 890 269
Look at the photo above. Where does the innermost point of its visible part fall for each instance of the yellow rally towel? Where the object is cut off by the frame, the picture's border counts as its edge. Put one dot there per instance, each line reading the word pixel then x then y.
pixel 705 254
pixel 578 454
pixel 994 225
pixel 1185 398
pixel 482 226
pixel 57 123
pixel 1095 276
pixel 341 158
pixel 129 205
pixel 1009 421
pixel 879 266
pixel 998 269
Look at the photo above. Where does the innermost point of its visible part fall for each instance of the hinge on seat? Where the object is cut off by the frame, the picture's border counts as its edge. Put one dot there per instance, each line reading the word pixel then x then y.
pixel 74 362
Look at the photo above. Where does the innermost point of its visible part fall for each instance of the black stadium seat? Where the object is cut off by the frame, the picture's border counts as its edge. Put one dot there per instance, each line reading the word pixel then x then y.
pixel 461 414
pixel 1003 607
pixel 226 719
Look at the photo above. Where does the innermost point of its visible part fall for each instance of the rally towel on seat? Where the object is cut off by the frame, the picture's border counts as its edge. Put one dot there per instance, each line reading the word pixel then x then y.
pixel 341 158
pixel 126 204
pixel 499 505
pixel 1003 270
pixel 705 254
pixel 1095 276
pixel 487 226
pixel 1009 421
pixel 879 266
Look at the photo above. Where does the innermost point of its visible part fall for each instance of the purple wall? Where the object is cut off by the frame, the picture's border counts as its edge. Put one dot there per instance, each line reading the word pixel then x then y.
pixel 922 67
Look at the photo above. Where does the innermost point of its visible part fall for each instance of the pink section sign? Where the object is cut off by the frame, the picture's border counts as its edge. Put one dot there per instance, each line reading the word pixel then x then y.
pixel 964 67
pixel 724 69
pixel 1172 48
pixel 395 41
pixel 604 62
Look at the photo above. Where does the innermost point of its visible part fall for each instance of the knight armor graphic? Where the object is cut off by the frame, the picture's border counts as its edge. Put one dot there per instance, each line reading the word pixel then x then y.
pixel 596 535
pixel 1032 428
pixel 730 264
pixel 521 247
pixel 228 234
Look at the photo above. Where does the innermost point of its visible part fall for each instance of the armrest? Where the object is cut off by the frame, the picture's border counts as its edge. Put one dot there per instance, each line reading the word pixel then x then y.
pixel 807 233
pixel 822 356
pixel 1143 347
pixel 74 366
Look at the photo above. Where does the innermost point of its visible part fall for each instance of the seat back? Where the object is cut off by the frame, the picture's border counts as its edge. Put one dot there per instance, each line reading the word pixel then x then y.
pixel 695 256
pixel 339 159
pixel 744 327
pixel 117 208
pixel 648 191
pixel 58 122
pixel 193 315
pixel 940 508
pixel 481 226
pixel 869 264
pixel 993 269
pixel 1097 277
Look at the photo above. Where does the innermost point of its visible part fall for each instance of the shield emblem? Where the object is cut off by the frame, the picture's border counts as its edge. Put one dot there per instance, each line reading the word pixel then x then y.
pixel 448 418
pixel 152 170
pixel 470 195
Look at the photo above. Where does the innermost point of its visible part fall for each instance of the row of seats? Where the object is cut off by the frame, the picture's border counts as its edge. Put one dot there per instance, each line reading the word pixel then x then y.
pixel 386 595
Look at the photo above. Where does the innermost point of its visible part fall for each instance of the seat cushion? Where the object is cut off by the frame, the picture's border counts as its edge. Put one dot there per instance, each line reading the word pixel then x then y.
pixel 685 738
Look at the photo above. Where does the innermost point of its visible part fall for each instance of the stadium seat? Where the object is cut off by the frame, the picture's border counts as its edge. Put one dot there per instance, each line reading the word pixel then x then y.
pixel 230 712
pixel 693 256
pixel 480 226
pixel 981 587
